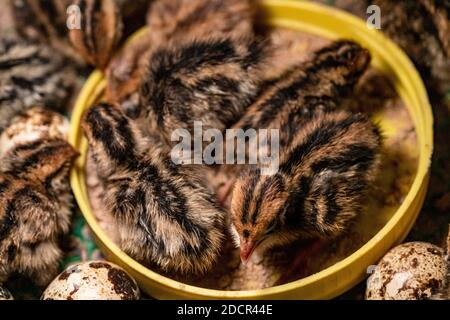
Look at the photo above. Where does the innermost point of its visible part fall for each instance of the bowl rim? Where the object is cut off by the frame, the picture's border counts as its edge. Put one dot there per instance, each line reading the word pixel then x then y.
pixel 95 85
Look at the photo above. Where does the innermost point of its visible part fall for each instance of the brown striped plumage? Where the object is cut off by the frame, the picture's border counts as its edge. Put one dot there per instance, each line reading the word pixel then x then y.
pixel 211 81
pixel 325 155
pixel 44 21
pixel 175 21
pixel 100 33
pixel 35 207
pixel 31 75
pixel 166 215
pixel 316 86
pixel 319 189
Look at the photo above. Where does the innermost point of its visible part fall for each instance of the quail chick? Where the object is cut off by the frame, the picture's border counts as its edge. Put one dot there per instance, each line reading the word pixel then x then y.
pixel 319 189
pixel 48 21
pixel 305 99
pixel 35 207
pixel 314 87
pixel 45 21
pixel 211 81
pixel 166 215
pixel 174 21
pixel 31 75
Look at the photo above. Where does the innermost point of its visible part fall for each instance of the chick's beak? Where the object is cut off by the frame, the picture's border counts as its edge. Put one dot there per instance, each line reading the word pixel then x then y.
pixel 247 249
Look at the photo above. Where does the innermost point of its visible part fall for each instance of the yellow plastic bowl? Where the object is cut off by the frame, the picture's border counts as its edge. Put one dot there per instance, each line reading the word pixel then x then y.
pixel 337 279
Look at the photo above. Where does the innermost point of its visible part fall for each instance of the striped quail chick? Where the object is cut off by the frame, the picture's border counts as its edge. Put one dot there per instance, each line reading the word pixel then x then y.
pixel 174 21
pixel 35 201
pixel 165 214
pixel 314 87
pixel 319 189
pixel 212 81
pixel 302 106
pixel 45 21
pixel 31 75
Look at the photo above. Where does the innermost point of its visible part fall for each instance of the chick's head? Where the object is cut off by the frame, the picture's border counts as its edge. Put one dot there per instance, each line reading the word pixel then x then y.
pixel 258 211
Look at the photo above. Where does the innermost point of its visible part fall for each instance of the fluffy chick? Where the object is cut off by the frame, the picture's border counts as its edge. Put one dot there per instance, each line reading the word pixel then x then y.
pixel 165 214
pixel 174 21
pixel 31 75
pixel 319 189
pixel 211 81
pixel 35 208
pixel 316 86
pixel 45 21
pixel 304 100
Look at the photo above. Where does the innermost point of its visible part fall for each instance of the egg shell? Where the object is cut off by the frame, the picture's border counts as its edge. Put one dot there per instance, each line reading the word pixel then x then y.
pixel 34 124
pixel 410 271
pixel 94 280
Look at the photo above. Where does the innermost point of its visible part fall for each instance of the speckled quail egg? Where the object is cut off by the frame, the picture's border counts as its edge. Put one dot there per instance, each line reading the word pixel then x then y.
pixel 94 280
pixel 5 294
pixel 34 124
pixel 410 271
